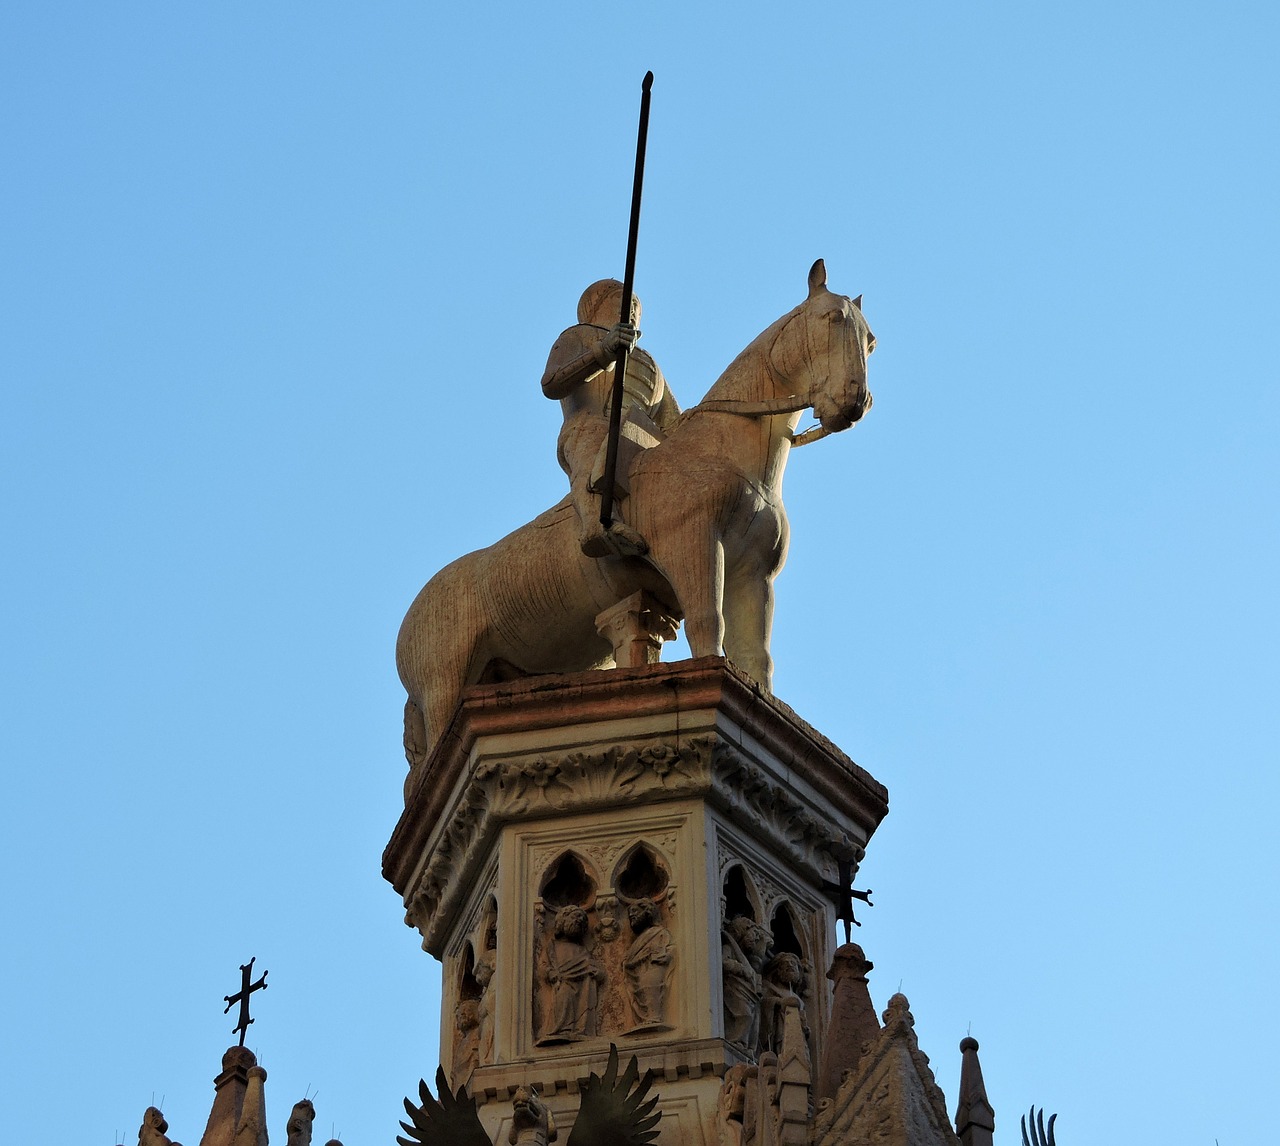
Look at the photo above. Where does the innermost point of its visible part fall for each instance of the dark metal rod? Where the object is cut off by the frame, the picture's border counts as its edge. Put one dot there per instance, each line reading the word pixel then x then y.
pixel 628 285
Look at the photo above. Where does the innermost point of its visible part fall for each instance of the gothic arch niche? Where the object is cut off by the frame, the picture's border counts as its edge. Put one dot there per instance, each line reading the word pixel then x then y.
pixel 786 935
pixel 739 896
pixel 567 970
pixel 641 875
pixel 567 883
pixel 643 967
pixel 468 986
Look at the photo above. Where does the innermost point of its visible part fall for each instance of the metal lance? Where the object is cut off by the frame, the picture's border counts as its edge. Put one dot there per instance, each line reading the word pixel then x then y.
pixel 628 283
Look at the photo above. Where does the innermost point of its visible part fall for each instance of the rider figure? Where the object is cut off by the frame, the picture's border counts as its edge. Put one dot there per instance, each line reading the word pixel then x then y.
pixel 580 372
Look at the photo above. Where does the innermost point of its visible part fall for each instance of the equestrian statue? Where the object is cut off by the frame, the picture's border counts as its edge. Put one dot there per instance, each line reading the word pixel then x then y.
pixel 697 521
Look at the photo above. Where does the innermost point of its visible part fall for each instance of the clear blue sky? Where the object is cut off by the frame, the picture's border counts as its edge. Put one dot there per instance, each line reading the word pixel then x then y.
pixel 279 282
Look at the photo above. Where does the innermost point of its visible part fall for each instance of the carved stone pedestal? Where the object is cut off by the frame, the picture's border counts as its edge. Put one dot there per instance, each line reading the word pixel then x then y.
pixel 636 627
pixel 610 857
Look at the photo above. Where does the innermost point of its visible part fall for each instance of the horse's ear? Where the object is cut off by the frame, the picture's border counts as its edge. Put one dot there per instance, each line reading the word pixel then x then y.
pixel 817 277
pixel 858 302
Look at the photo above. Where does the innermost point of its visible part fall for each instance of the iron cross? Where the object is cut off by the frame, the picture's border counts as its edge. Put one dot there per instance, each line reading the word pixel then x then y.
pixel 842 895
pixel 242 997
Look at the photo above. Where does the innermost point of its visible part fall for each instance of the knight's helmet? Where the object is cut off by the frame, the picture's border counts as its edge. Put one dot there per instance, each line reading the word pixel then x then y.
pixel 595 296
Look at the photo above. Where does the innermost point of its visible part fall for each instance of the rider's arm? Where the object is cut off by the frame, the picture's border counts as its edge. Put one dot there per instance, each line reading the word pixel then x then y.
pixel 580 353
pixel 564 375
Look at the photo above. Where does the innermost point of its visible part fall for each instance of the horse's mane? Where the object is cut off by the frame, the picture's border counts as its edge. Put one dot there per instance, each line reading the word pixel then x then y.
pixel 758 348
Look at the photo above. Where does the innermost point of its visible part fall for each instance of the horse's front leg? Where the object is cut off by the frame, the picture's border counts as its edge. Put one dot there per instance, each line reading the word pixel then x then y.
pixel 748 619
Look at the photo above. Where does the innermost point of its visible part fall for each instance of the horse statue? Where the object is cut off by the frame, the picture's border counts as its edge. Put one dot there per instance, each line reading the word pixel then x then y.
pixel 708 498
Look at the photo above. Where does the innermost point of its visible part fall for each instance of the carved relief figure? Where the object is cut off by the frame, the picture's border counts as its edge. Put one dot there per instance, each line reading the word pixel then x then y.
pixel 735 1121
pixel 466 1040
pixel 574 976
pixel 744 946
pixel 484 976
pixel 580 372
pixel 783 982
pixel 647 964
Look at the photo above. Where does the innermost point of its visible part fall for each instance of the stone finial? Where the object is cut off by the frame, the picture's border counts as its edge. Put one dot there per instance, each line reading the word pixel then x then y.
pixel 975 1118
pixel 853 1026
pixel 251 1128
pixel 238 1116
pixel 298 1130
pixel 152 1132
pixel 898 1012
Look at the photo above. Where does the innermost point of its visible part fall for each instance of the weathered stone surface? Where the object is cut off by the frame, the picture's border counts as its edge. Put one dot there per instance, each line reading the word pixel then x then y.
pixel 153 1130
pixel 891 1098
pixel 298 1129
pixel 707 500
pixel 660 799
pixel 238 1117
pixel 854 1026
pixel 975 1118
pixel 580 375
pixel 539 748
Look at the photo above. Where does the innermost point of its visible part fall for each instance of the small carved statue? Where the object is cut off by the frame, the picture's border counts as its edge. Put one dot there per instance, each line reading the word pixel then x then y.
pixel 531 1121
pixel 483 972
pixel 783 982
pixel 298 1130
pixel 574 976
pixel 647 964
pixel 153 1128
pixel 735 1117
pixel 579 373
pixel 466 1040
pixel 744 946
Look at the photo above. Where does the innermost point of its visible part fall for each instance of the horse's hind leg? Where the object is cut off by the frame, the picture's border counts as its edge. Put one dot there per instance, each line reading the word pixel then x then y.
pixel 695 570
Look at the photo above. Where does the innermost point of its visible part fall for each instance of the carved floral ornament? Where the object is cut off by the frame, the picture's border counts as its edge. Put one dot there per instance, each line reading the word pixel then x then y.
pixel 500 791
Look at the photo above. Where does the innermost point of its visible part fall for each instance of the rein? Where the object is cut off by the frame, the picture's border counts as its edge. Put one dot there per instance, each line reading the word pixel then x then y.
pixel 762 408
pixel 755 409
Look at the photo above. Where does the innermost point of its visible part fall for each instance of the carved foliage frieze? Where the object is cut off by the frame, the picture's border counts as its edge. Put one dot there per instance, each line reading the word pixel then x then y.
pixel 499 791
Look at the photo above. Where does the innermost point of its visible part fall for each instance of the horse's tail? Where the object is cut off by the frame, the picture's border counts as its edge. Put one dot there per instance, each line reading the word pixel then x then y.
pixel 434 653
pixel 416 746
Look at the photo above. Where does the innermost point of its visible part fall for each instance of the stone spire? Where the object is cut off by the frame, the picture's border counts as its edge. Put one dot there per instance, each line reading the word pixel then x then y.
pixel 853 1025
pixel 238 1117
pixel 975 1118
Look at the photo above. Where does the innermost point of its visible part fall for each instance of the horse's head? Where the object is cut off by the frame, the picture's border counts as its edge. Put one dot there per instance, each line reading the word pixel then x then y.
pixel 824 345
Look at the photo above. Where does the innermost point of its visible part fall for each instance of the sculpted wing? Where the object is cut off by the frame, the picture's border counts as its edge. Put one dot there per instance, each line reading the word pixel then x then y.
pixel 450 1120
pixel 615 1111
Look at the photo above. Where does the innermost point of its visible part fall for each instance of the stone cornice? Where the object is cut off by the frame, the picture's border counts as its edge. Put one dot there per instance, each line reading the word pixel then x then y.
pixel 658 733
pixel 742 711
